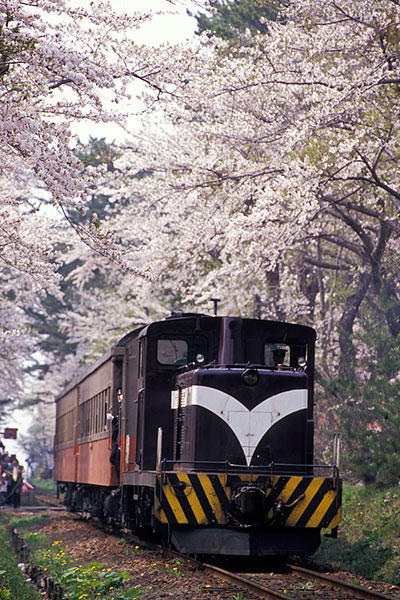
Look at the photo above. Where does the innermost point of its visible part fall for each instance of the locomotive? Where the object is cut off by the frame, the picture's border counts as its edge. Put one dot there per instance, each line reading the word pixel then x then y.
pixel 199 430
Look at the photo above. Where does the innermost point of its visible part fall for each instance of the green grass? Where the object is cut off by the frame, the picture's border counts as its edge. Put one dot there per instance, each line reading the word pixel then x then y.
pixel 44 485
pixel 368 542
pixel 78 581
pixel 12 582
pixel 19 522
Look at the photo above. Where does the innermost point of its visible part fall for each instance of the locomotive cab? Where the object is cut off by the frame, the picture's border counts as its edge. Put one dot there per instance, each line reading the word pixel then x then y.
pixel 164 347
pixel 241 478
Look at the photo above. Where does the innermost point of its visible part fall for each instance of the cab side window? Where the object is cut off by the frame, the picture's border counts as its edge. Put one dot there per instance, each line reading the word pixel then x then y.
pixel 140 361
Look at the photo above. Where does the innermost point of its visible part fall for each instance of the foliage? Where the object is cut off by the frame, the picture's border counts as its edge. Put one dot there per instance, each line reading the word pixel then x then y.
pixel 274 185
pixel 45 485
pixel 268 178
pixel 233 16
pixel 172 568
pixel 368 543
pixel 12 581
pixel 370 405
pixel 37 441
pixel 128 549
pixel 94 580
pixel 50 76
pixel 20 522
pixel 60 66
pixel 46 315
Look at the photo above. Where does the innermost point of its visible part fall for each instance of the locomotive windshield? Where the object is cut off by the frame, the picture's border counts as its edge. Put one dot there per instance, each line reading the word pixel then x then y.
pixel 180 350
pixel 172 351
pixel 270 343
pixel 283 354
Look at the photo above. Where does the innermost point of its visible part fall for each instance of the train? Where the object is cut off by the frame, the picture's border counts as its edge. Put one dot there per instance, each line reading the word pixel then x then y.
pixel 198 431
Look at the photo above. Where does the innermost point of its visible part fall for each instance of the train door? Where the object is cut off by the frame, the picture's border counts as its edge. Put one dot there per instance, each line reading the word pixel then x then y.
pixel 77 435
pixel 140 401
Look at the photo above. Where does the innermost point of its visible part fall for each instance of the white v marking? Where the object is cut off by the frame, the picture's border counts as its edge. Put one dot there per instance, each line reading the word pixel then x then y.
pixel 249 426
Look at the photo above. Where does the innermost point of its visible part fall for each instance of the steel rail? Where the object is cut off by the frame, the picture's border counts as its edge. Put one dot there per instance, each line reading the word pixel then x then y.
pixel 350 588
pixel 357 590
pixel 251 585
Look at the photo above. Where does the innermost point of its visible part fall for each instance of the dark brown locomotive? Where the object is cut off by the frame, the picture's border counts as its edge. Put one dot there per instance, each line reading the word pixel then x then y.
pixel 200 430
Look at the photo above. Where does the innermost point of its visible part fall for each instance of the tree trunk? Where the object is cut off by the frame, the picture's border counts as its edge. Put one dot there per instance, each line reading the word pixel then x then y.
pixel 353 302
pixel 391 307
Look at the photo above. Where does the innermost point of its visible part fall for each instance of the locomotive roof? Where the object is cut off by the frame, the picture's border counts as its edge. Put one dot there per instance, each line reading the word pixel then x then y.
pixel 168 323
pixel 283 327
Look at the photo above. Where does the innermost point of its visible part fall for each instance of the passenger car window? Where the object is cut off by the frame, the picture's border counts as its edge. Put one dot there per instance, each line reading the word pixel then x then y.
pixel 172 351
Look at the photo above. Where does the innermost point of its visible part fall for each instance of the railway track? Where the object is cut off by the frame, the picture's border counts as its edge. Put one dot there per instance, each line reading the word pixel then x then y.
pixel 297 583
pixel 286 582
pixel 289 582
pixel 44 501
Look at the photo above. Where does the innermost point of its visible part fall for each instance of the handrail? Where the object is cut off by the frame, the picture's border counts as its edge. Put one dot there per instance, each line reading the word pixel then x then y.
pixel 269 469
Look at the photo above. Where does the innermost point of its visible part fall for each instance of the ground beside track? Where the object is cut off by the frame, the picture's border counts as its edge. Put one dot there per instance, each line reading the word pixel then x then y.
pixel 156 574
pixel 369 535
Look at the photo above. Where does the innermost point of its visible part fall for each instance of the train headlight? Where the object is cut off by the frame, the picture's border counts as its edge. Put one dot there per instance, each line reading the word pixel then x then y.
pixel 250 377
pixel 301 361
pixel 200 359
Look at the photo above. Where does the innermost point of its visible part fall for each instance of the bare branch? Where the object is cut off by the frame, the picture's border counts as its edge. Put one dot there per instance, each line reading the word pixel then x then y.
pixel 324 265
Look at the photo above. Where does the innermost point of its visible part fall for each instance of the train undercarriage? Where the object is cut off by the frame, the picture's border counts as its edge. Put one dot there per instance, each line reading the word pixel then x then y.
pixel 203 513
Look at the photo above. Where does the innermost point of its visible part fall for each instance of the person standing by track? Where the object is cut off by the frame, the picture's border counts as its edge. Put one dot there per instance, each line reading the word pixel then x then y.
pixel 15 480
pixel 3 488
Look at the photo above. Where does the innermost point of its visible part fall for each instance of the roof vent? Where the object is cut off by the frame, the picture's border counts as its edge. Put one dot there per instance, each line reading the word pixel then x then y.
pixel 179 314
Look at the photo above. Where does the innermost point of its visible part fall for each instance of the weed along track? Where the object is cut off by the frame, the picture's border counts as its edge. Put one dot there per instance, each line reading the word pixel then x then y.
pixel 72 557
pixel 85 561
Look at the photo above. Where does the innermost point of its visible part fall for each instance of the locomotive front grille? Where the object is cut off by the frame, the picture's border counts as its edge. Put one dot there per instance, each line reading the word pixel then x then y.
pixel 209 499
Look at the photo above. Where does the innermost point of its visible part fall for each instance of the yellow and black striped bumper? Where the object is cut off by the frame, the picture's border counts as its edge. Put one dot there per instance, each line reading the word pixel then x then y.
pixel 205 499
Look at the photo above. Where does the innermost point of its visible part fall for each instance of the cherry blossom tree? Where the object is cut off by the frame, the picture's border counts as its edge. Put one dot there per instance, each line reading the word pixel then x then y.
pixel 268 178
pixel 283 162
pixel 275 185
pixel 60 64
